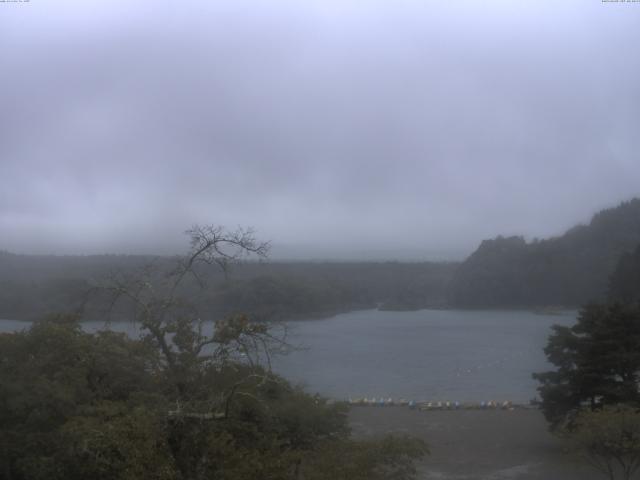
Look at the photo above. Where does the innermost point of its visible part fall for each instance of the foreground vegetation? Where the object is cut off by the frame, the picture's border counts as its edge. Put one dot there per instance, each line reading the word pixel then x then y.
pixel 103 406
pixel 177 403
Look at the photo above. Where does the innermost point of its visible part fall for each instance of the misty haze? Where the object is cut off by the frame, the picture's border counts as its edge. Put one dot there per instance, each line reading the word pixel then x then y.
pixel 319 240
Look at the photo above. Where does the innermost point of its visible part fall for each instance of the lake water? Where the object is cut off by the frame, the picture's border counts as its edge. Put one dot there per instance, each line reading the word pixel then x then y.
pixel 423 355
pixel 461 355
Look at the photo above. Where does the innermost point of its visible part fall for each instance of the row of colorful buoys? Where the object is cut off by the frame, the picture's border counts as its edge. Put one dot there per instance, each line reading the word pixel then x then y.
pixel 490 405
pixel 440 405
pixel 378 402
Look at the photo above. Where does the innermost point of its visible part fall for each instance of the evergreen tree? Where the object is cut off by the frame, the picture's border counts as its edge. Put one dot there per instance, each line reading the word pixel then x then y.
pixel 597 360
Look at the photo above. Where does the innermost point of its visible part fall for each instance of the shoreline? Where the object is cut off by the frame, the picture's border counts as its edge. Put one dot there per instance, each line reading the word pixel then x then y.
pixel 490 444
pixel 329 314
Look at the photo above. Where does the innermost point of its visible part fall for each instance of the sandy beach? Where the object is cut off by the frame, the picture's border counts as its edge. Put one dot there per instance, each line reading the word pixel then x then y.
pixel 478 444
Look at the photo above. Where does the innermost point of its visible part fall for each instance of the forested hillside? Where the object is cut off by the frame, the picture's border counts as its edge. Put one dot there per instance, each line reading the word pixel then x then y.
pixel 624 284
pixel 31 286
pixel 569 270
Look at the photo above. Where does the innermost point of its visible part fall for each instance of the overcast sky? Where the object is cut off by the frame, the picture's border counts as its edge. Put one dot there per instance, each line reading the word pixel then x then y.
pixel 364 129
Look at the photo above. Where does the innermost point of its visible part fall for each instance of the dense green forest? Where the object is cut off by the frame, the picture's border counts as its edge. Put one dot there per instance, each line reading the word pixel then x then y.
pixel 568 270
pixel 32 286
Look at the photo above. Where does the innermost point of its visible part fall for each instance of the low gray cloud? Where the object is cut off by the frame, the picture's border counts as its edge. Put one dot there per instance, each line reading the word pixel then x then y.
pixel 382 129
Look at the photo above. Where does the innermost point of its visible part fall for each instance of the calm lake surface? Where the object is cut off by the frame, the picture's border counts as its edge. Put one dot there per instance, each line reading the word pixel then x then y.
pixel 423 355
pixel 463 355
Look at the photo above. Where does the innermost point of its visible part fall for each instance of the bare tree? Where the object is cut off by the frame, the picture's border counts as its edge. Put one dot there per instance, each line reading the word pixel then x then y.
pixel 159 299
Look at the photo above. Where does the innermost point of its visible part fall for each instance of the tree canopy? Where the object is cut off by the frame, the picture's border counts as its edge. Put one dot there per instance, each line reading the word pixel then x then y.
pixel 609 440
pixel 597 360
